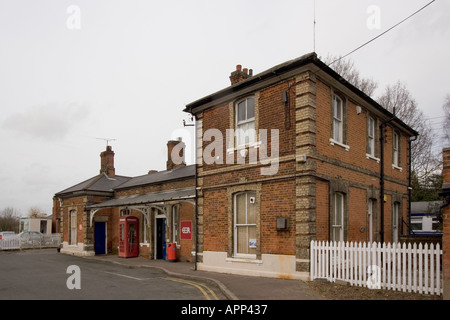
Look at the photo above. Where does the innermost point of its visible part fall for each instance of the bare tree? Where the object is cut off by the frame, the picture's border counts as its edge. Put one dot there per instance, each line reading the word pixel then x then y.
pixel 36 212
pixel 346 69
pixel 425 160
pixel 446 124
pixel 9 219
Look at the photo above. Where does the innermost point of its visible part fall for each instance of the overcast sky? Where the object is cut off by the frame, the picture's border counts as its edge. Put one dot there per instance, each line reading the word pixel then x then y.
pixel 74 71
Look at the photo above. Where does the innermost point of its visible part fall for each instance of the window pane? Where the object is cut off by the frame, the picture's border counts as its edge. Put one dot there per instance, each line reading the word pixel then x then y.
pixel 371 128
pixel 241 111
pixel 371 148
pixel 251 235
pixel 251 134
pixel 338 209
pixel 241 134
pixel 250 108
pixel 240 208
pixel 337 108
pixel 242 242
pixel 337 130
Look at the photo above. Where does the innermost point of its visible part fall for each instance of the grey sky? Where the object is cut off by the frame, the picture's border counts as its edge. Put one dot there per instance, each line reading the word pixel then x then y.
pixel 132 66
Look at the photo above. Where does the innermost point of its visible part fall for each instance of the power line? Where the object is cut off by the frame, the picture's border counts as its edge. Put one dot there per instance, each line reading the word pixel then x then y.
pixel 373 39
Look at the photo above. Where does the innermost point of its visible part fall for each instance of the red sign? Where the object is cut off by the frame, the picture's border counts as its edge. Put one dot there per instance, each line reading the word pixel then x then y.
pixel 186 230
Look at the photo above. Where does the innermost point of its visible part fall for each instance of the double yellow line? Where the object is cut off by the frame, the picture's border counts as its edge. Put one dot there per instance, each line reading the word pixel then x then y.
pixel 203 288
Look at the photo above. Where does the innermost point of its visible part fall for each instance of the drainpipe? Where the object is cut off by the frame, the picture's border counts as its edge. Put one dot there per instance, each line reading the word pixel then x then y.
pixel 409 182
pixel 382 140
pixel 196 199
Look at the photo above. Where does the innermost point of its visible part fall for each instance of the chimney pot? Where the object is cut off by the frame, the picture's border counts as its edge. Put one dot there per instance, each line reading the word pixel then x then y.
pixel 239 75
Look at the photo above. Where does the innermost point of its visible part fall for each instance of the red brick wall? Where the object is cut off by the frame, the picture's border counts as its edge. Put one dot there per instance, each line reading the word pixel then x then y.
pixel 215 220
pixel 186 246
pixel 273 205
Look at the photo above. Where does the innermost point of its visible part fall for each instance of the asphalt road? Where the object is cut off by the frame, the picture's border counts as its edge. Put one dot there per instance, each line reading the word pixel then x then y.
pixel 47 275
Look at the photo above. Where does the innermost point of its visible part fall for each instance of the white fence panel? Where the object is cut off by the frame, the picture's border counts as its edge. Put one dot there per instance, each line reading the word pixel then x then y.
pixel 15 242
pixel 10 243
pixel 408 268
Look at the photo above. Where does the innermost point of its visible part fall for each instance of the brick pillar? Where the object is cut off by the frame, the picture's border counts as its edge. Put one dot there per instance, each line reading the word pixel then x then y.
pixel 446 222
pixel 305 116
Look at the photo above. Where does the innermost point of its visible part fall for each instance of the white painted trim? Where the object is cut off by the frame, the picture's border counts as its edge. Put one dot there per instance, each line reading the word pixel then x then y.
pixel 334 142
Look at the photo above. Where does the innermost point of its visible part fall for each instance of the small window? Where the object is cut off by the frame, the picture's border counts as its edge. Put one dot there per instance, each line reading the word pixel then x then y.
pixel 245 122
pixel 396 149
pixel 245 241
pixel 73 227
pixel 338 119
pixel 371 136
pixel 338 217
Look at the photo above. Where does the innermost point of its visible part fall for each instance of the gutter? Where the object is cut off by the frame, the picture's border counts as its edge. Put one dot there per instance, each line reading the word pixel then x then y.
pixel 409 181
pixel 196 202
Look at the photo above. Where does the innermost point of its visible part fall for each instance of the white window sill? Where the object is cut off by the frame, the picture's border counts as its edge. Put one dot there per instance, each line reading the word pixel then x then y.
pixel 369 156
pixel 244 146
pixel 334 142
pixel 398 168
pixel 244 259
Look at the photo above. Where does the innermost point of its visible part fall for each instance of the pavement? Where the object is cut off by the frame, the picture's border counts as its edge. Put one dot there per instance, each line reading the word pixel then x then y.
pixel 226 286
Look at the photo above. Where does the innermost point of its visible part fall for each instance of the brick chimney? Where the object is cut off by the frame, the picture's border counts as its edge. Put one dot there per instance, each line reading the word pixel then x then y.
pixel 175 154
pixel 107 162
pixel 240 75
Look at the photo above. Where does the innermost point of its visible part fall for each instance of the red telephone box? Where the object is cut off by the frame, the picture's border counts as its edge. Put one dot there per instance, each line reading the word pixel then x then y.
pixel 128 237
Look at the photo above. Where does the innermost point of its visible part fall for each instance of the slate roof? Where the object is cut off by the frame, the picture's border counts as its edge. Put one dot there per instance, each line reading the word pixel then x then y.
pixel 100 183
pixel 154 197
pixel 159 177
pixel 106 185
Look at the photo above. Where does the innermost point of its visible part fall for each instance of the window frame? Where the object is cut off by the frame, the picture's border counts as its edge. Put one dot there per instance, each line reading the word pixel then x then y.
pixel 249 140
pixel 338 196
pixel 338 120
pixel 73 226
pixel 236 225
pixel 371 136
pixel 396 209
pixel 396 150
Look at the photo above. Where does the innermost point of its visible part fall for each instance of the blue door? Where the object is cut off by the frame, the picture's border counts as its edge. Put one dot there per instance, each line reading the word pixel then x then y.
pixel 100 238
pixel 161 238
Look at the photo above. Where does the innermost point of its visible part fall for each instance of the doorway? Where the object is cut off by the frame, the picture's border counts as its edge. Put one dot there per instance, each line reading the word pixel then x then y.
pixel 100 237
pixel 161 238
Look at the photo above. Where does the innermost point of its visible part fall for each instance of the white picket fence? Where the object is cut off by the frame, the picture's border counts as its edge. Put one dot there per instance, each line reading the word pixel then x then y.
pixel 15 242
pixel 402 267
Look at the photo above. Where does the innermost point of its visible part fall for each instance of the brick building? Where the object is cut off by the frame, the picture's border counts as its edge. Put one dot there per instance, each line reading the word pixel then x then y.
pixel 290 155
pixel 446 223
pixel 87 214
